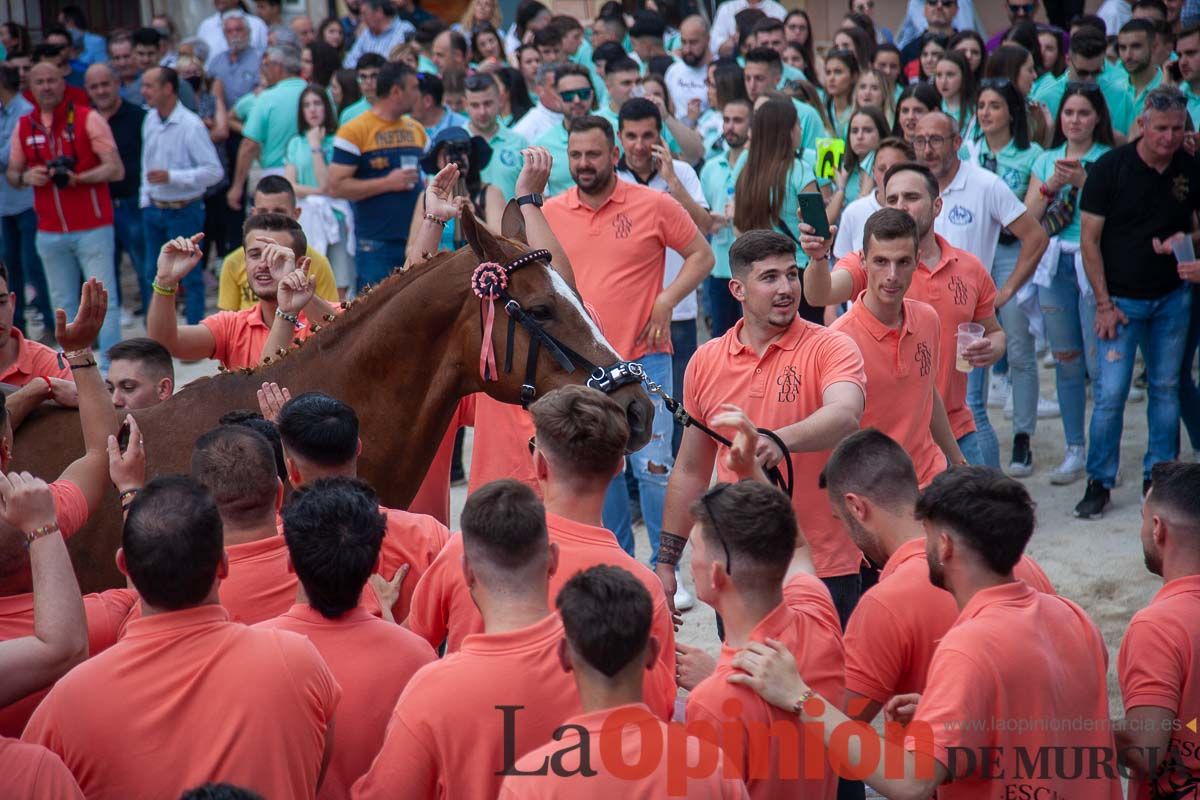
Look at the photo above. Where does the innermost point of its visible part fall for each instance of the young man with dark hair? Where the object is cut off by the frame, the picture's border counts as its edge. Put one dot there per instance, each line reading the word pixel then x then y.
pixel 579 446
pixel 483 109
pixel 321 440
pixel 365 74
pixel 1135 43
pixel 1086 64
pixel 141 373
pixel 218 699
pixel 797 378
pixel 430 111
pixel 334 530
pixel 608 647
pixel 763 73
pixel 1157 667
pixel 977 524
pixel 894 630
pixel 504 682
pixel 743 541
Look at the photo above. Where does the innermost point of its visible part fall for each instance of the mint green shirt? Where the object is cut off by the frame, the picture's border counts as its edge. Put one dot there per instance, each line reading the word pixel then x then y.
pixel 272 121
pixel 1193 101
pixel 1117 97
pixel 583 56
pixel 555 140
pixel 1139 98
pixel 505 165
pixel 1044 168
pixel 854 182
pixel 717 183
pixel 299 154
pixel 353 110
pixel 800 177
pixel 1012 165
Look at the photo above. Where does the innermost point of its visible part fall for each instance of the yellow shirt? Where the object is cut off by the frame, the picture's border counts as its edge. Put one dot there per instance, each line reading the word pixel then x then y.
pixel 234 291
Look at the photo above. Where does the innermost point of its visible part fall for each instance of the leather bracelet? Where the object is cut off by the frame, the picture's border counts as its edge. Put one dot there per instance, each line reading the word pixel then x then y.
pixel 85 365
pixel 670 548
pixel 37 533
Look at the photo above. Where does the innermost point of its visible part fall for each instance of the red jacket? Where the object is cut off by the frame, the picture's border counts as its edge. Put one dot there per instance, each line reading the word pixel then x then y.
pixel 74 208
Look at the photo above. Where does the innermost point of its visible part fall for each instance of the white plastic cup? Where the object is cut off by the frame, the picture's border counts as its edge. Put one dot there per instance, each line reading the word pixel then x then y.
pixel 409 162
pixel 968 333
pixel 1183 249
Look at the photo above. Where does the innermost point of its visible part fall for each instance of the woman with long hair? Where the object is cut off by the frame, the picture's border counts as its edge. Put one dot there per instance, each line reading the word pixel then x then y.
pixel 531 16
pixel 515 101
pixel 770 178
pixel 487 48
pixel 1082 133
pixel 1019 66
pixel 306 166
pixel 872 89
pixel 970 43
pixel 868 127
pixel 956 85
pixel 932 47
pixel 1005 148
pixel 344 90
pixel 15 39
pixel 798 28
pixel 857 42
pixel 864 23
pixel 841 74
pixel 471 154
pixel 481 12
pixel 886 62
pixel 1054 58
pixel 331 33
pixel 917 100
pixel 318 62
pixel 723 82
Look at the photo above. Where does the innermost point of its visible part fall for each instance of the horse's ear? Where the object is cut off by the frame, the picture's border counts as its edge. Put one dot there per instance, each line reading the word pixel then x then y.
pixel 513 224
pixel 482 243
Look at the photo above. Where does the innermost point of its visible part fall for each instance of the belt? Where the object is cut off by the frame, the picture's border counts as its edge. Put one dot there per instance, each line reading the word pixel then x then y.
pixel 175 203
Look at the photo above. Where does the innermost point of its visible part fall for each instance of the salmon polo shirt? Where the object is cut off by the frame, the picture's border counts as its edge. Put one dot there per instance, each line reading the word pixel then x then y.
pixel 32 771
pixel 617 252
pixel 901 365
pixel 1020 673
pixel 783 386
pixel 241 335
pixel 898 623
pixel 188 697
pixel 1159 665
pixel 34 360
pixel 635 741
pixel 447 737
pixel 960 290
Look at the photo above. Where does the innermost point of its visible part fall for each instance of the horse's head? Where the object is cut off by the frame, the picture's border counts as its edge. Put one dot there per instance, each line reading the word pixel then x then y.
pixel 542 337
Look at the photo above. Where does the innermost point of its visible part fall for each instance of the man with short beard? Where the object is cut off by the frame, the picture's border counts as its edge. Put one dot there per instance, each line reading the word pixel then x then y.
pixel 211 28
pixel 1157 666
pixel 686 77
pixel 577 99
pixel 237 65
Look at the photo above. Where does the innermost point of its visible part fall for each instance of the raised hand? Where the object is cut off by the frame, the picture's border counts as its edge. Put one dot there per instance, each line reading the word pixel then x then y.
pixel 439 194
pixel 295 290
pixel 79 335
pixel 814 246
pixel 271 399
pixel 128 470
pixel 177 258
pixel 535 173
pixel 27 501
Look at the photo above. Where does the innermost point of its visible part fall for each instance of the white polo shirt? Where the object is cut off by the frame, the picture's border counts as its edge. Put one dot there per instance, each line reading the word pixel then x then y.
pixel 685 83
pixel 850 229
pixel 537 121
pixel 975 207
pixel 673 261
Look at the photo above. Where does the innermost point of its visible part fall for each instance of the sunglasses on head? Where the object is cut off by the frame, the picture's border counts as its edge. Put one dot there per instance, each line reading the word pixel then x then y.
pixel 571 95
pixel 716 529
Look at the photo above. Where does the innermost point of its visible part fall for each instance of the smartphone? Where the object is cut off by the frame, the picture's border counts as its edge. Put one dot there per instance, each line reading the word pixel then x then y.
pixel 812 212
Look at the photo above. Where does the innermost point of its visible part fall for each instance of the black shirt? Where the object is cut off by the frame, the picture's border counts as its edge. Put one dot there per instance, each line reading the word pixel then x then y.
pixel 1139 203
pixel 126 126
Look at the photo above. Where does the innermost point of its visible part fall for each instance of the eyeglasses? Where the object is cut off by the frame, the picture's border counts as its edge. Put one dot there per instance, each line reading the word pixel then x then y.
pixel 480 83
pixel 941 3
pixel 363 77
pixel 995 83
pixel 920 142
pixel 716 529
pixel 1025 9
pixel 571 95
pixel 1086 74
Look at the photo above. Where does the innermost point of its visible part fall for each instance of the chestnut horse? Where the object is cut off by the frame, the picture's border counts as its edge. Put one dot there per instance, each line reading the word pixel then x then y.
pixel 402 357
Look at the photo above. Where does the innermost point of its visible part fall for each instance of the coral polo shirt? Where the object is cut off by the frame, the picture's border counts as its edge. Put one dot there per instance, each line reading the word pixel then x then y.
pixel 1029 660
pixel 188 697
pixel 413 539
pixel 617 253
pixel 442 609
pixel 783 386
pixel 372 661
pixel 447 739
pixel 500 448
pixel 1159 665
pixel 898 623
pixel 635 741
pixel 779 770
pixel 902 365
pixel 260 585
pixel 960 290
pixel 34 360
pixel 31 772
pixel 241 335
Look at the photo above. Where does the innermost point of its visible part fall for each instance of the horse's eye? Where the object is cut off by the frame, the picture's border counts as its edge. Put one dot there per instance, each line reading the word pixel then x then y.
pixel 541 313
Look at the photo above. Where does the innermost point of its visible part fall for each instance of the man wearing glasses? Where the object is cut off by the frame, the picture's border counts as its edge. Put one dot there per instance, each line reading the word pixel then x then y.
pixel 1018 11
pixel 573 85
pixel 365 75
pixel 1085 64
pixel 939 16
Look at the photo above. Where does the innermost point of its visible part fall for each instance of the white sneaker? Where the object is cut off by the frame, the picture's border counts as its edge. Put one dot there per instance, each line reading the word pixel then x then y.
pixel 127 319
pixel 1072 467
pixel 683 598
pixel 1048 360
pixel 1136 394
pixel 1046 409
pixel 999 391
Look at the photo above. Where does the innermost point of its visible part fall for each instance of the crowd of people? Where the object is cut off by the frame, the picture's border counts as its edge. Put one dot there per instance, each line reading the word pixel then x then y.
pixel 841 258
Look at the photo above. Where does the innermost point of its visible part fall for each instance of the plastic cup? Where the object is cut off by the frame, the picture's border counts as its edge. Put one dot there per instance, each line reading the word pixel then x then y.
pixel 409 162
pixel 968 333
pixel 1183 249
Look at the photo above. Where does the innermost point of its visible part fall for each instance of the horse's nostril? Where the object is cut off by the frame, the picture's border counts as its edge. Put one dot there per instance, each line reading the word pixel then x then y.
pixel 636 417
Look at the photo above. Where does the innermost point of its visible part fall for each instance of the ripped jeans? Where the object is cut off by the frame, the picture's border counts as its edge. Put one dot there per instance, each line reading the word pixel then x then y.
pixel 1070 327
pixel 651 466
pixel 1159 326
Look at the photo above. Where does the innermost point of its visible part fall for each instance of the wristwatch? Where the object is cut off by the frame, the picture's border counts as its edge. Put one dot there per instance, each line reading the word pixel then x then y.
pixel 531 199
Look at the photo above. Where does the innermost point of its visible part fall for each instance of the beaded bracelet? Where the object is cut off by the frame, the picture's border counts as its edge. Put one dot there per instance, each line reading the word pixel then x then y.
pixel 37 533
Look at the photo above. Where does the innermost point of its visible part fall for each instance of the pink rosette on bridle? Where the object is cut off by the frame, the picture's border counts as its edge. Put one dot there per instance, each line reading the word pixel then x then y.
pixel 488 281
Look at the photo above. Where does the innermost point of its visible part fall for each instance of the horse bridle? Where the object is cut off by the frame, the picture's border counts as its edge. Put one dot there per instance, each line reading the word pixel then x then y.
pixel 490 283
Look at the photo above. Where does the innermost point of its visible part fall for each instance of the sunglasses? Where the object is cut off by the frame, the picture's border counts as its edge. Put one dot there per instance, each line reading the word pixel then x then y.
pixel 716 529
pixel 995 83
pixel 571 95
pixel 1026 9
pixel 1086 74
pixel 941 3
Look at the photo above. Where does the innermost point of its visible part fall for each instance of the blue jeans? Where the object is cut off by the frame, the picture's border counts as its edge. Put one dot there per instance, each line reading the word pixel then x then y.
pixel 683 342
pixel 130 238
pixel 652 483
pixel 70 257
pixel 374 260
pixel 18 248
pixel 969 445
pixel 1021 350
pixel 1160 327
pixel 987 445
pixel 163 224
pixel 722 309
pixel 1070 318
pixel 1189 394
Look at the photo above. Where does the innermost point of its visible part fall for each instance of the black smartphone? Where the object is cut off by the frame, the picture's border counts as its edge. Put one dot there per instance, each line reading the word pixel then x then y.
pixel 812 212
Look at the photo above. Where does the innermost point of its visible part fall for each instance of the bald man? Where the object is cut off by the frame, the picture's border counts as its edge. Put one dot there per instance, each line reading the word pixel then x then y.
pixel 686 77
pixel 103 86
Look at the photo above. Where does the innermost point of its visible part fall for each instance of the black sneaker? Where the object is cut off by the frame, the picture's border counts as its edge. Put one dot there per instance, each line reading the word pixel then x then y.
pixel 1094 501
pixel 1022 457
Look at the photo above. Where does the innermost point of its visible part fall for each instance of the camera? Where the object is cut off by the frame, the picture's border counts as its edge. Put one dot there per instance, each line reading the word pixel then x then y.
pixel 60 170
